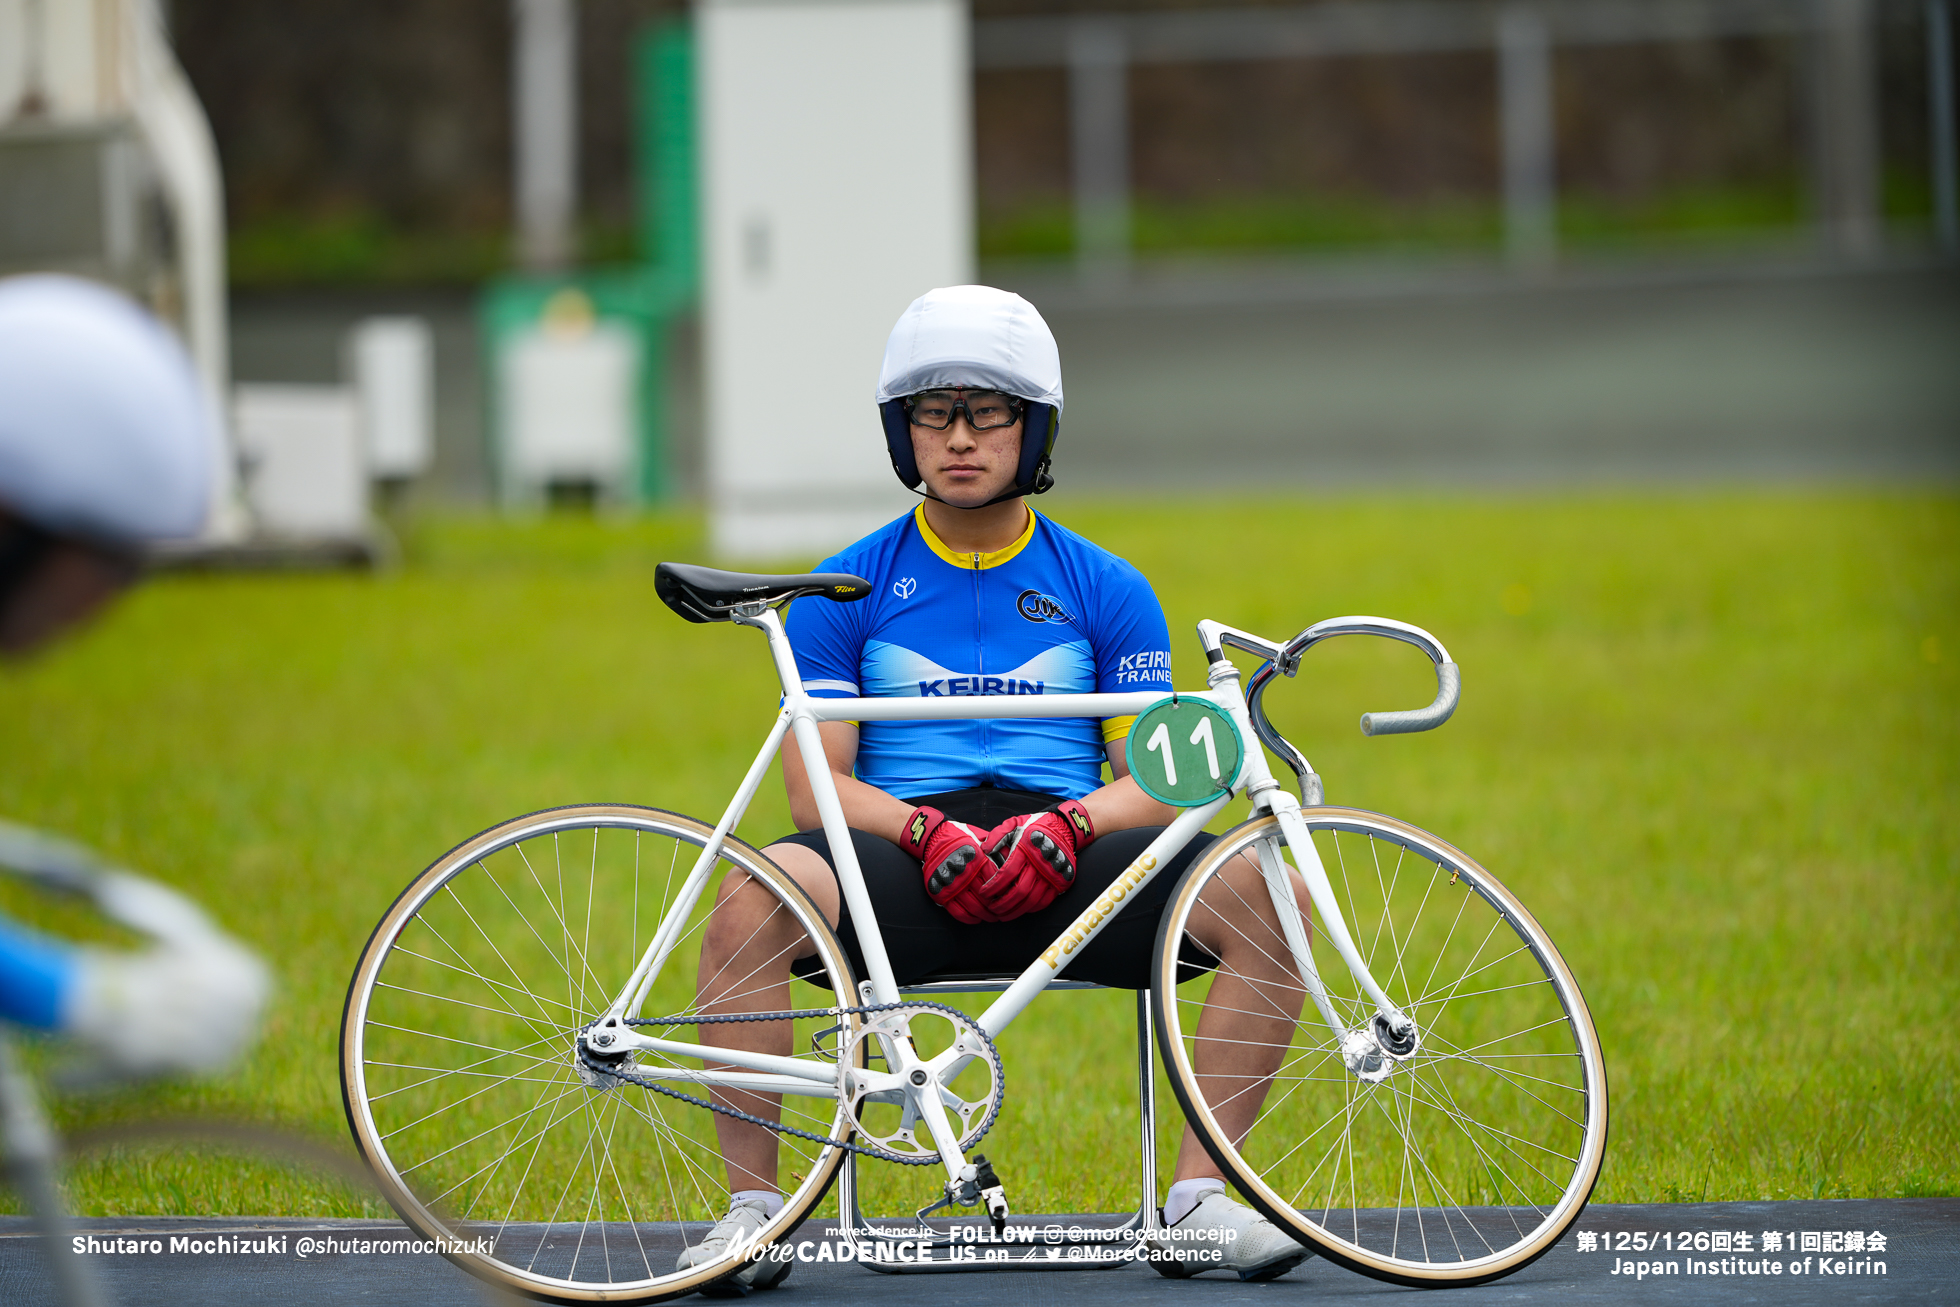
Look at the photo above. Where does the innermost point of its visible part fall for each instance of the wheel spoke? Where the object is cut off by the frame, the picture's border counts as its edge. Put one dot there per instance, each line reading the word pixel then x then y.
pixel 472 1099
pixel 1449 1162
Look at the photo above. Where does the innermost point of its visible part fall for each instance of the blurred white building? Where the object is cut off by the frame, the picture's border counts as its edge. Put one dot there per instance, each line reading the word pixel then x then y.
pixel 836 148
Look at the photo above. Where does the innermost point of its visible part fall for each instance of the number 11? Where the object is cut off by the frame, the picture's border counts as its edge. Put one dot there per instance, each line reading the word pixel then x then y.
pixel 1160 741
pixel 1203 732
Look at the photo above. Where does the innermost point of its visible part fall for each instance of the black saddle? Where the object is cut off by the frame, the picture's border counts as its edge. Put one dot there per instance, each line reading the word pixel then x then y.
pixel 706 594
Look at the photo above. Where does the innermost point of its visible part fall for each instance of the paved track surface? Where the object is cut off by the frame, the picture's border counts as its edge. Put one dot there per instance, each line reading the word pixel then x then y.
pixel 1583 381
pixel 1291 380
pixel 1921 1265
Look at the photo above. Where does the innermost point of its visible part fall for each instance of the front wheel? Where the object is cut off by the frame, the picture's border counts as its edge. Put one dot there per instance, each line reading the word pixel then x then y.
pixel 1453 1161
pixel 462 1080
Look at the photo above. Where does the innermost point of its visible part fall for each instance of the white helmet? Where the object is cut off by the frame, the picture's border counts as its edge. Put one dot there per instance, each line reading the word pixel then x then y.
pixel 104 431
pixel 974 336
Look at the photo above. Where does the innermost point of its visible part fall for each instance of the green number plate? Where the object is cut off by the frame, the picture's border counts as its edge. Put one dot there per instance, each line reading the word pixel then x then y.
pixel 1184 752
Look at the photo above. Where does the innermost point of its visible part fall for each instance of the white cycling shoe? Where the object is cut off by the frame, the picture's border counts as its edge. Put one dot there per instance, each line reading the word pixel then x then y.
pixel 1222 1235
pixel 738 1227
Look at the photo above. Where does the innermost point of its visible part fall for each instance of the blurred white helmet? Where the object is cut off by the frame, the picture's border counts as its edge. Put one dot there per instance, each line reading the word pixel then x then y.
pixel 104 430
pixel 974 336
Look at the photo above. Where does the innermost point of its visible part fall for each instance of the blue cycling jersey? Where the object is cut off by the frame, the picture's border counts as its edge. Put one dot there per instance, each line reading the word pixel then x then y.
pixel 1049 614
pixel 35 975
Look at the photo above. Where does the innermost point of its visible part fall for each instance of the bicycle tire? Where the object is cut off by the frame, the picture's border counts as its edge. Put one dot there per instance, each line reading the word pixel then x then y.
pixel 461 1087
pixel 1468 1159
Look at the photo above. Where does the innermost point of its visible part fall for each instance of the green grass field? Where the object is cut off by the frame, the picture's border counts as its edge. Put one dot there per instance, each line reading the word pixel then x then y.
pixel 1710 739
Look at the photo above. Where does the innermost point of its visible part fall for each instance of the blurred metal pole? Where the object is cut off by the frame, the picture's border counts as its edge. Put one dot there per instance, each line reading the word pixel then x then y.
pixel 1524 66
pixel 31 1157
pixel 1939 81
pixel 1099 146
pixel 33 102
pixel 544 127
pixel 1845 122
pixel 178 134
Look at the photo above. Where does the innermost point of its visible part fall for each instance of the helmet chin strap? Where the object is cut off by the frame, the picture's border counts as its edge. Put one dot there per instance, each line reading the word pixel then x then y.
pixel 1041 485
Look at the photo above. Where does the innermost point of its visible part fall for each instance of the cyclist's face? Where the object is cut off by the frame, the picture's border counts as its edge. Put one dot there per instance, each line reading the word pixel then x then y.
pixel 964 467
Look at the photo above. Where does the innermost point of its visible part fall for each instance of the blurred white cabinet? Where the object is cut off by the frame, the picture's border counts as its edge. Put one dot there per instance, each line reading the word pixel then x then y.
pixel 569 409
pixel 390 363
pixel 305 469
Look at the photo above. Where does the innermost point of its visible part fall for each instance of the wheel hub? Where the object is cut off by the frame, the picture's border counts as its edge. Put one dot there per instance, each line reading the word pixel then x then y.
pixel 595 1055
pixel 1371 1051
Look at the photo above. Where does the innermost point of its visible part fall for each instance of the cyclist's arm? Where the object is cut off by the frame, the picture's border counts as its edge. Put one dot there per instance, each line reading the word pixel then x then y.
pixel 866 807
pixel 1132 649
pixel 1122 804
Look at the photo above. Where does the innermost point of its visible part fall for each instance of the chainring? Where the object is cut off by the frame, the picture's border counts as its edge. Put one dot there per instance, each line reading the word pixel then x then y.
pixel 890 1123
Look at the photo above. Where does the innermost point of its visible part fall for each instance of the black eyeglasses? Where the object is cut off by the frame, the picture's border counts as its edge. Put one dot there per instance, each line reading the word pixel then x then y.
pixel 984 409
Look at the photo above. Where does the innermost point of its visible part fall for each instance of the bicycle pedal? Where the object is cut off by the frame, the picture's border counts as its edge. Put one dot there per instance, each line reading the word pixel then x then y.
pixel 997 1212
pixel 989 1189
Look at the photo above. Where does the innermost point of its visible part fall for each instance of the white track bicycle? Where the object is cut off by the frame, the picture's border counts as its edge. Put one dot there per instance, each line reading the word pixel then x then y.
pixel 530 1066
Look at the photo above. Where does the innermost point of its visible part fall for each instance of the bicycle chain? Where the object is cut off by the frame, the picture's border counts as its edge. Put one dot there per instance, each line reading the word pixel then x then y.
pixel 882 1154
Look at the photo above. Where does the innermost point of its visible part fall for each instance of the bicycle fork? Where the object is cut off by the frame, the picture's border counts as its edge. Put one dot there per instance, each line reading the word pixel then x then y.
pixel 1369 1050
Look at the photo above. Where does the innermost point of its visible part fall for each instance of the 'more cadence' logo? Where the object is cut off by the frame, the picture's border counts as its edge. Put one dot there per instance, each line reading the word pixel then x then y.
pixel 1038 607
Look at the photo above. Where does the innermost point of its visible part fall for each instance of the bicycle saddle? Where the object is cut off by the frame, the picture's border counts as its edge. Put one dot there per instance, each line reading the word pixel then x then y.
pixel 706 594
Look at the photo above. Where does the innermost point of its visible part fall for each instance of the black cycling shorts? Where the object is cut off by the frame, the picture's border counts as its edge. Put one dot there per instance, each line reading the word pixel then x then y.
pixel 925 942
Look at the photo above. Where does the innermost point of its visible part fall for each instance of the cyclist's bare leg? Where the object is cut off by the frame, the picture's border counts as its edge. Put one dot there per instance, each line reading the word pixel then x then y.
pixel 1249 1014
pixel 746 953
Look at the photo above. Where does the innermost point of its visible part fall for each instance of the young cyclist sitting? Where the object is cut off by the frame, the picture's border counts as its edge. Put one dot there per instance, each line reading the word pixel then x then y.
pixel 980 841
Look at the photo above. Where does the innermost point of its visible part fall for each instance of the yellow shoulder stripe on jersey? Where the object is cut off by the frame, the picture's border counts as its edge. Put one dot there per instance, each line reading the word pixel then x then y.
pixel 978 561
pixel 1115 728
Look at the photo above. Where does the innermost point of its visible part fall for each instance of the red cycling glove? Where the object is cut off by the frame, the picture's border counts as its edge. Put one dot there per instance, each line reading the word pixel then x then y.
pixel 951 859
pixel 1036 855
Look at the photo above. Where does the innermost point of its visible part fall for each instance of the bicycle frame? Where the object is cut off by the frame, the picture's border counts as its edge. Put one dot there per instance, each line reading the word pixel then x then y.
pixel 800 716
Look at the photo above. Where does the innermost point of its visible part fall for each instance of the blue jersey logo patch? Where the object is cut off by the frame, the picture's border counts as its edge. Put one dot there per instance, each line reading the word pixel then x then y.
pixel 1038 607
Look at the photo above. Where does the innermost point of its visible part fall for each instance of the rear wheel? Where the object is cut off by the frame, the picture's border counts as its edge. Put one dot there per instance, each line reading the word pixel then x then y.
pixel 460 1072
pixel 1456 1161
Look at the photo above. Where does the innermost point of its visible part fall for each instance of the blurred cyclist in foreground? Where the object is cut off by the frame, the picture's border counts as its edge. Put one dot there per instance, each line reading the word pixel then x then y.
pixel 106 445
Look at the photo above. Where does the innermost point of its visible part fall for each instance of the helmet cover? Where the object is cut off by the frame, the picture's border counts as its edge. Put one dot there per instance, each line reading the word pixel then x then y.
pixel 104 430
